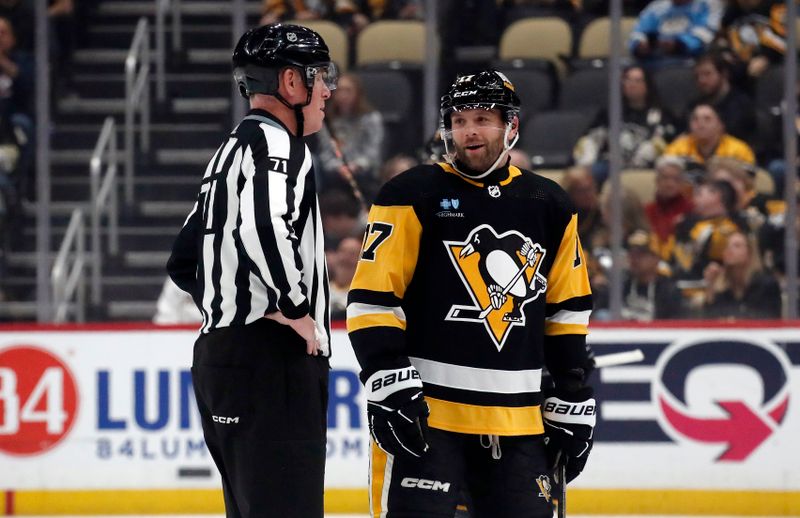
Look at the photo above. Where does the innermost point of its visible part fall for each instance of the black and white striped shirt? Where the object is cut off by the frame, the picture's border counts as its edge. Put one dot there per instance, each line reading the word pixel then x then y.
pixel 253 242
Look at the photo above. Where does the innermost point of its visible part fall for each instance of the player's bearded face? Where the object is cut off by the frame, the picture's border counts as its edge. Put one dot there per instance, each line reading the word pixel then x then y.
pixel 478 137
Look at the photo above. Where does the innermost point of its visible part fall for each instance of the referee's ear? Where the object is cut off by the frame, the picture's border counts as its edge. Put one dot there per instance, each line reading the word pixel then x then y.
pixel 292 85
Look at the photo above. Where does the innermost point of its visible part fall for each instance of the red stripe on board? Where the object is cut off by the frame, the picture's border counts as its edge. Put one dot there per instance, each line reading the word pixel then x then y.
pixel 9 507
pixel 340 324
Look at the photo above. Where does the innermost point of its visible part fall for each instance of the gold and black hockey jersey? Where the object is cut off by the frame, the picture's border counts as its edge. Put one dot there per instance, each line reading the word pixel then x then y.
pixel 478 284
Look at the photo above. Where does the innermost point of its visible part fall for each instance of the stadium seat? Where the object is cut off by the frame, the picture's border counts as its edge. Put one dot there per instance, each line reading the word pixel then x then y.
pixel 642 182
pixel 546 38
pixel 550 136
pixel 585 88
pixel 676 88
pixel 334 37
pixel 594 40
pixel 391 41
pixel 534 86
pixel 764 182
pixel 553 174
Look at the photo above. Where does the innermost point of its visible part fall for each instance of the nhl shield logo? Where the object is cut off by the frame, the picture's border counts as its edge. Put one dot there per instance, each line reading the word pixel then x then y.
pixel 291 37
pixel 501 274
pixel 494 191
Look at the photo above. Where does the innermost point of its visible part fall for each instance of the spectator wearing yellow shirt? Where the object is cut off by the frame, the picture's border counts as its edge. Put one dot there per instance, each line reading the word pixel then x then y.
pixel 707 138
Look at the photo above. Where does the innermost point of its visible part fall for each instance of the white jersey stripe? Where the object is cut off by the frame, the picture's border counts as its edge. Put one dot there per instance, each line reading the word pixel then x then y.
pixel 564 316
pixel 482 380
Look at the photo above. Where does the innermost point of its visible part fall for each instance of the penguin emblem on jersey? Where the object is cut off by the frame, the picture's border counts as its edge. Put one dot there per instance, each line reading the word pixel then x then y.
pixel 501 274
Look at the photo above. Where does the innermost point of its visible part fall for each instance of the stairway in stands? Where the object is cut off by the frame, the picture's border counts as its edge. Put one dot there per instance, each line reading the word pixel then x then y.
pixel 185 133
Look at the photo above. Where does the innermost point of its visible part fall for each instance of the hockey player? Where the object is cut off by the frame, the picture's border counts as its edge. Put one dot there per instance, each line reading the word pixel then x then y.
pixel 472 280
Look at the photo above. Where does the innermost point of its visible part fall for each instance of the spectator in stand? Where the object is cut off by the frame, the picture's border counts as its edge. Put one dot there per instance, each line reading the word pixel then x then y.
pixel 581 188
pixel 701 237
pixel 675 29
pixel 341 217
pixel 599 260
pixel 707 138
pixel 753 206
pixel 396 165
pixel 772 238
pixel 737 287
pixel 671 202
pixel 520 158
pixel 646 128
pixel 358 129
pixel 343 268
pixel 23 19
pixel 273 11
pixel 735 107
pixel 16 119
pixel 647 293
pixel 353 15
pixel 754 31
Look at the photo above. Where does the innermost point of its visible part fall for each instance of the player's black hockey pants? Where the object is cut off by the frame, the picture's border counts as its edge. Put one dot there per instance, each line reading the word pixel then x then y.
pixel 517 484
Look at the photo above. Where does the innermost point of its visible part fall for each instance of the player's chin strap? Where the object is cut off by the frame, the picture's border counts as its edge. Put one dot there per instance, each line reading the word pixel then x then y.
pixel 450 157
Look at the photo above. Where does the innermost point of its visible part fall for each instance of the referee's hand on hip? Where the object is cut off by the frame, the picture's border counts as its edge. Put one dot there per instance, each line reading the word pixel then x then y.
pixel 305 327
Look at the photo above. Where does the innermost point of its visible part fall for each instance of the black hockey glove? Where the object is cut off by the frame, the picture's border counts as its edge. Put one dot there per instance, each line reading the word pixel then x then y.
pixel 569 419
pixel 397 412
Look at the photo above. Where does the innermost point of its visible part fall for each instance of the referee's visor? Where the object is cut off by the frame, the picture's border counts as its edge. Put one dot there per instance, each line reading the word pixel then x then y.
pixel 327 71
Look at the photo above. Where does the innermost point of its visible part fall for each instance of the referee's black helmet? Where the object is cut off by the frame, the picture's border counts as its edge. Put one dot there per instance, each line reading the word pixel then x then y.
pixel 264 51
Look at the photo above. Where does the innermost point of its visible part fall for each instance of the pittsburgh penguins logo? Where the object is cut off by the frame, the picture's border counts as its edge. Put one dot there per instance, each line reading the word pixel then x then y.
pixel 501 274
pixel 545 489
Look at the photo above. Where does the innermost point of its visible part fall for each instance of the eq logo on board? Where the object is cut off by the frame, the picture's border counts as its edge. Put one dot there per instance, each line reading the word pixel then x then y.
pixel 723 392
pixel 38 400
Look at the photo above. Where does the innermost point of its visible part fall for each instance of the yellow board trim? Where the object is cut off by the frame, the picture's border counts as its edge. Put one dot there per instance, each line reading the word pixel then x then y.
pixel 355 501
pixel 374 320
pixel 495 420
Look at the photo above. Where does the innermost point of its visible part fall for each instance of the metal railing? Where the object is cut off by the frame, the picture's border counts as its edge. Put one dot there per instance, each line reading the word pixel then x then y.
pixel 67 278
pixel 104 200
pixel 137 98
pixel 162 8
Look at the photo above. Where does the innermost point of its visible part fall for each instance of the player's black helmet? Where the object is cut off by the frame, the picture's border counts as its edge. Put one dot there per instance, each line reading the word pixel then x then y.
pixel 262 52
pixel 488 89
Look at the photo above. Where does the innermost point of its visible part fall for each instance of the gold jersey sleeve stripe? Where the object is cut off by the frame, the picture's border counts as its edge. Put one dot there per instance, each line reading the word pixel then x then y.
pixel 374 320
pixel 475 419
pixel 558 328
pixel 568 279
pixel 396 257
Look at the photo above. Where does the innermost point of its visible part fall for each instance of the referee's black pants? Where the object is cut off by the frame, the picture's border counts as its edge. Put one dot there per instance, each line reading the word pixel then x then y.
pixel 263 404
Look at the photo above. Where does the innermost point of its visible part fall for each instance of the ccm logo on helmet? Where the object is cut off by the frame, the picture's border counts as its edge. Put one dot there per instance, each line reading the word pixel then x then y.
pixel 395 377
pixel 225 420
pixel 465 93
pixel 423 483
pixel 568 409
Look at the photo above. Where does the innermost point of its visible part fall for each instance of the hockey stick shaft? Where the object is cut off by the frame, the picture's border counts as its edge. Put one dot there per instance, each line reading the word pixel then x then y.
pixel 562 498
pixel 508 287
pixel 346 171
pixel 614 359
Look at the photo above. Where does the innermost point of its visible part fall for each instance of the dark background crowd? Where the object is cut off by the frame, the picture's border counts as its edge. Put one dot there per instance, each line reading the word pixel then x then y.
pixel 703 170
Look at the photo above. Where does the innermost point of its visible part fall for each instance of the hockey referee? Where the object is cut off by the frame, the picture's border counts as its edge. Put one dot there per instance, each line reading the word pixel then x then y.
pixel 251 255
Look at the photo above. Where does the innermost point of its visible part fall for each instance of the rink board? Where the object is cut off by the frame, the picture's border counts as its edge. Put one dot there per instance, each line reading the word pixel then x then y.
pixel 102 419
